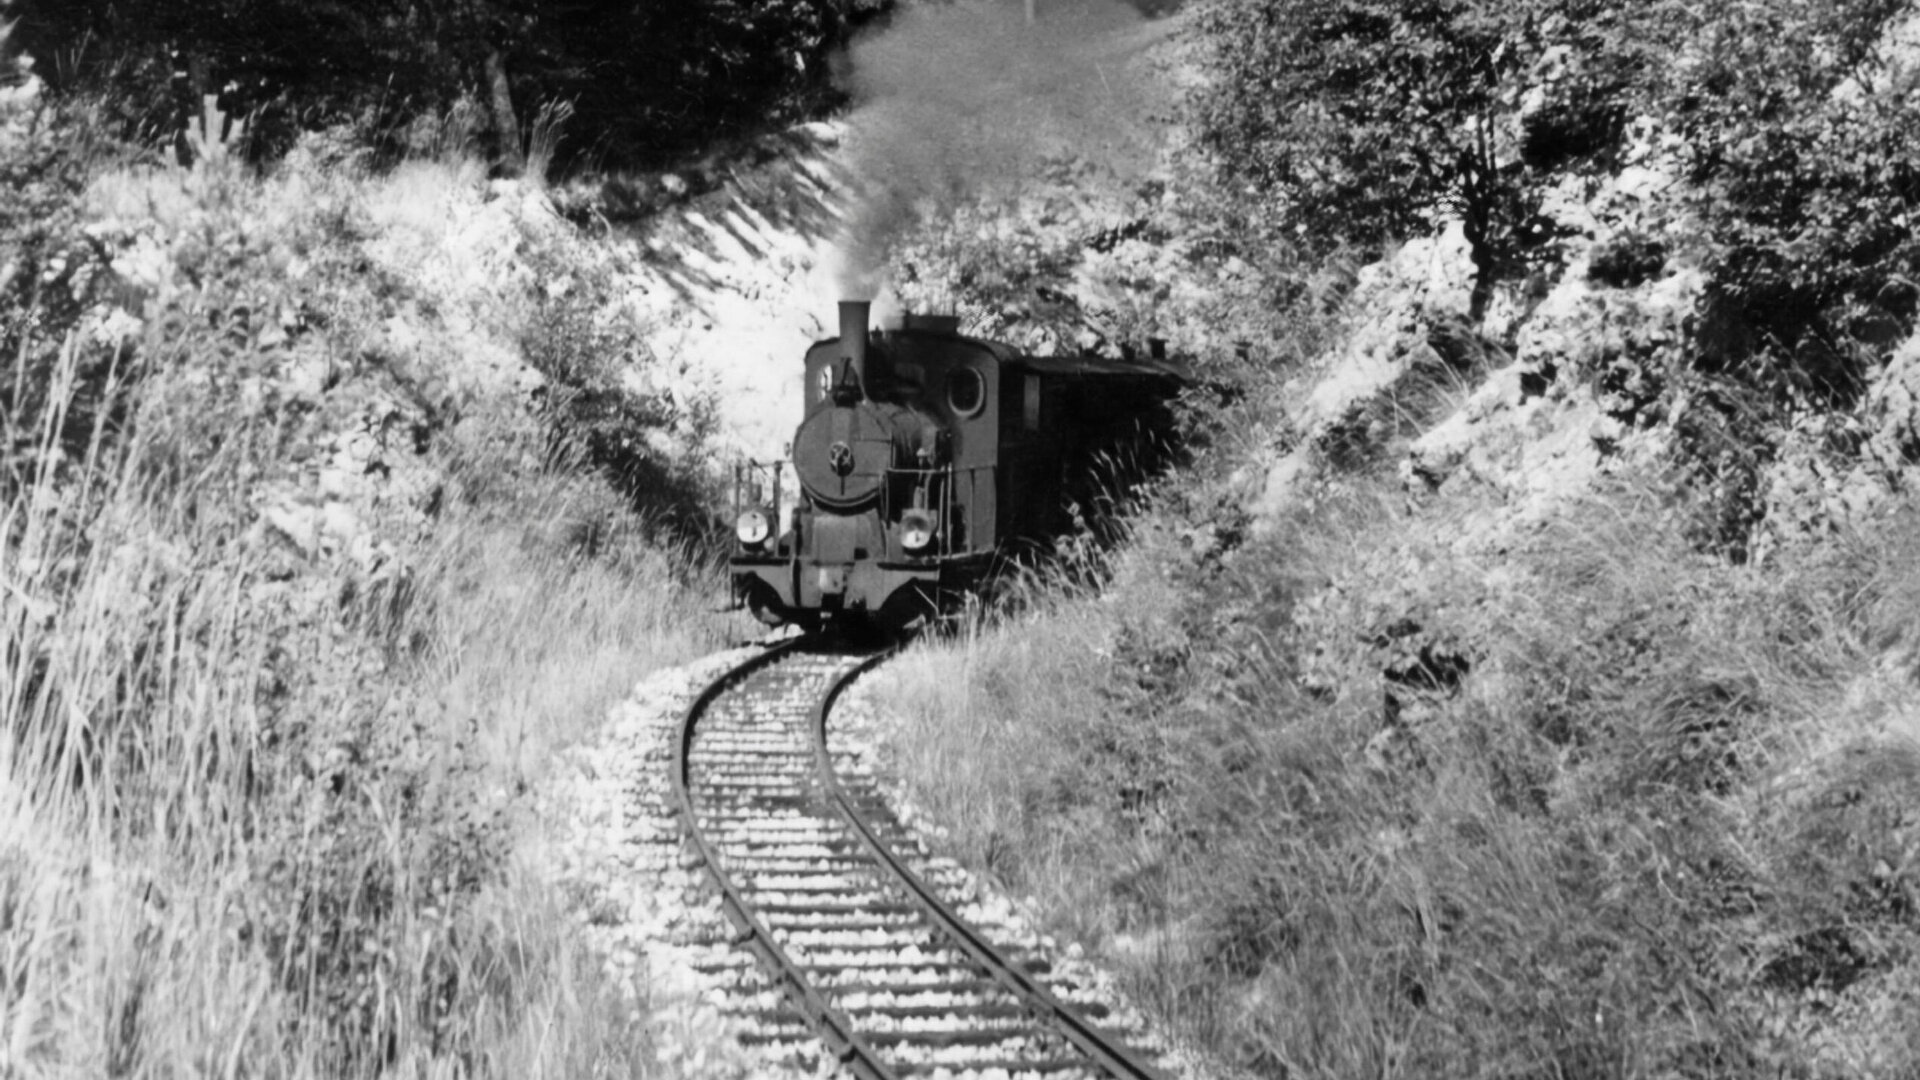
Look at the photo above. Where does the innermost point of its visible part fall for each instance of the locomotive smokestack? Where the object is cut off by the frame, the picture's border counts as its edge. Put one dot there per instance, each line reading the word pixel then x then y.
pixel 853 337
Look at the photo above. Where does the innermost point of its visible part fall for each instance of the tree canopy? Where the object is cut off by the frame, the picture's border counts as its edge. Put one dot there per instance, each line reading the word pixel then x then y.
pixel 1360 120
pixel 1353 121
pixel 1799 126
pixel 1362 117
pixel 644 78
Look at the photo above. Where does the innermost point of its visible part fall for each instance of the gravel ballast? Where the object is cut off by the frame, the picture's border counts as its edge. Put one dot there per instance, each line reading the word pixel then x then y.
pixel 648 911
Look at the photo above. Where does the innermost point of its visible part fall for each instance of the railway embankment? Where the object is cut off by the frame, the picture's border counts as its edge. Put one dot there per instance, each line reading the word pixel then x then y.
pixel 333 502
pixel 1518 682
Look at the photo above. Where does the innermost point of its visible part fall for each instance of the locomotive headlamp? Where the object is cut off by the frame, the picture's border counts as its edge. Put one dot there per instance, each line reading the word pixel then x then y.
pixel 916 530
pixel 753 528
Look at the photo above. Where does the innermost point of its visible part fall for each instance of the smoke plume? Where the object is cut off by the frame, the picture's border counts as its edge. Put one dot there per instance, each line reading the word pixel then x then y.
pixel 971 101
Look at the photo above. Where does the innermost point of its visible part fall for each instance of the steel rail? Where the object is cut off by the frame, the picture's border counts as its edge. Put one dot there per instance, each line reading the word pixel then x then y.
pixel 833 1026
pixel 1117 1060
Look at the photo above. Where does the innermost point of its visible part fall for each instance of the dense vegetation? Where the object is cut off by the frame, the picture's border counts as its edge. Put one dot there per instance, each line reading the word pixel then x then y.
pixel 635 83
pixel 1361 120
pixel 295 603
pixel 1353 803
pixel 1367 787
pixel 1346 798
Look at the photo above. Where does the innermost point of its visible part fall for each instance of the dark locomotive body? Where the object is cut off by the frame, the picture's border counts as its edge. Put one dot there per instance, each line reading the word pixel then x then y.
pixel 924 456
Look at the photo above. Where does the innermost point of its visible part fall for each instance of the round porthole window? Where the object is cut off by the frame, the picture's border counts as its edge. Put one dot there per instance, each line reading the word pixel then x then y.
pixel 966 391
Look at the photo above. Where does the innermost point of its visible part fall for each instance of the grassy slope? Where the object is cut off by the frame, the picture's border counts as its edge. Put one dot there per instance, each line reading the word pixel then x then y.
pixel 1365 796
pixel 1352 803
pixel 297 601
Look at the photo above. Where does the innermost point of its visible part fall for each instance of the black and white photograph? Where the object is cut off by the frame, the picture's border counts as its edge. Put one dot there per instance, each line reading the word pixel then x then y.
pixel 960 539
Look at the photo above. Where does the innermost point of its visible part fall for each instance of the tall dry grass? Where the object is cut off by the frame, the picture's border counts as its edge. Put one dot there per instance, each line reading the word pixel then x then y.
pixel 267 806
pixel 1357 801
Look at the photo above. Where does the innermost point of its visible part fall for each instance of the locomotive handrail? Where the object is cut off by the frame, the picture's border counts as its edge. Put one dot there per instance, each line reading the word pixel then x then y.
pixel 749 475
pixel 947 508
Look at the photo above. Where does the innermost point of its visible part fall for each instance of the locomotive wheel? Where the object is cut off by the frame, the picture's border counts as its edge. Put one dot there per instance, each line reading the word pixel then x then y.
pixel 764 605
pixel 911 609
pixel 766 615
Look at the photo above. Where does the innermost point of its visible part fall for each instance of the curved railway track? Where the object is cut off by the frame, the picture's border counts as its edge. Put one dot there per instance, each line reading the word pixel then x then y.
pixel 858 955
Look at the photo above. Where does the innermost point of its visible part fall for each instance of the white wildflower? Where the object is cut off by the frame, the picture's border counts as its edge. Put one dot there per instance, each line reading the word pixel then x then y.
pixel 117 327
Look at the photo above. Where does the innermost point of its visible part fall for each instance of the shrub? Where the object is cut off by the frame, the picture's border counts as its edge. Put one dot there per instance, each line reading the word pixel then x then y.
pixel 1796 122
pixel 1357 121
pixel 1627 259
pixel 647 446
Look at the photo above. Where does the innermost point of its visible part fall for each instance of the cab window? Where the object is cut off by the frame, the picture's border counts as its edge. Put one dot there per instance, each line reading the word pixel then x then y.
pixel 966 391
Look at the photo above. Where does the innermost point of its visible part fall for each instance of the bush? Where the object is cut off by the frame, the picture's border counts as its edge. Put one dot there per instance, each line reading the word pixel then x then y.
pixel 1796 122
pixel 1626 260
pixel 1358 121
pixel 1353 120
pixel 647 446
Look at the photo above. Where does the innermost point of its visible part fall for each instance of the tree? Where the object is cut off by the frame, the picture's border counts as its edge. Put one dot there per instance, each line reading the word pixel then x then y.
pixel 288 65
pixel 1804 168
pixel 1362 117
pixel 1360 120
pixel 647 79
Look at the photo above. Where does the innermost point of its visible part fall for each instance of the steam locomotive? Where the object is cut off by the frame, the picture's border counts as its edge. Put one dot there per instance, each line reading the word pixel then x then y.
pixel 925 457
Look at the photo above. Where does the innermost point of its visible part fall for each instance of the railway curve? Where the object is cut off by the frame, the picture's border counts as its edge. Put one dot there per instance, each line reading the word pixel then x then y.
pixel 860 959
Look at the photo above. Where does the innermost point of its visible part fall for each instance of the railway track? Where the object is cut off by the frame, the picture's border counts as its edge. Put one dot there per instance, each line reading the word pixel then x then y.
pixel 848 948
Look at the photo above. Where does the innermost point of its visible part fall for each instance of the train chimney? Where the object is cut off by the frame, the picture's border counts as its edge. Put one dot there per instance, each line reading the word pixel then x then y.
pixel 853 337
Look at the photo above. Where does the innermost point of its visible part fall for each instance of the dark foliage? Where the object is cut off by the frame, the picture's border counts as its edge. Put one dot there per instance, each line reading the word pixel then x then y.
pixel 645 80
pixel 1358 120
pixel 1629 259
pixel 595 420
pixel 1350 121
pixel 1799 137
pixel 52 272
pixel 1361 116
pixel 1597 59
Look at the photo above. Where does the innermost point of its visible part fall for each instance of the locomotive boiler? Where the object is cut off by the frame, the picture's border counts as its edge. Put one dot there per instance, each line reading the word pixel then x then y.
pixel 923 457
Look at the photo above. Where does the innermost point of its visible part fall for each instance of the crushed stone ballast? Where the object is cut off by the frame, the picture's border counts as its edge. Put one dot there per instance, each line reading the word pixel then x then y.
pixel 842 942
